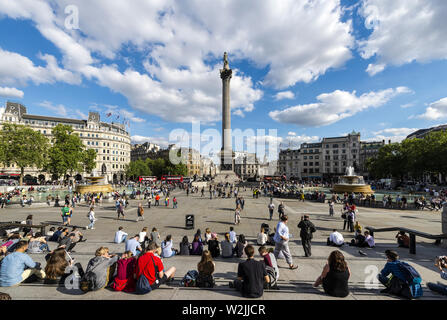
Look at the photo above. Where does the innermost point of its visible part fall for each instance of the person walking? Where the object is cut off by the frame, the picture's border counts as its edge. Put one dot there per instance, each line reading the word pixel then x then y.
pixel 91 217
pixel 306 234
pixel 140 212
pixel 174 203
pixel 331 208
pixel 281 239
pixel 237 215
pixel 120 210
pixel 281 210
pixel 271 208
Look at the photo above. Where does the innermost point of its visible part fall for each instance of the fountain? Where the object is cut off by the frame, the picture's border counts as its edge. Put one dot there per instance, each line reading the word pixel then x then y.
pixel 352 183
pixel 94 186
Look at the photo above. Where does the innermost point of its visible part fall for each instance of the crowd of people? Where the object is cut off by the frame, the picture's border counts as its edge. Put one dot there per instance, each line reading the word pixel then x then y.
pixel 140 268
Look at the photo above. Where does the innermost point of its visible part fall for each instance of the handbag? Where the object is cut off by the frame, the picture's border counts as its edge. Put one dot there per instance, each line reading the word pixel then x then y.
pixel 143 286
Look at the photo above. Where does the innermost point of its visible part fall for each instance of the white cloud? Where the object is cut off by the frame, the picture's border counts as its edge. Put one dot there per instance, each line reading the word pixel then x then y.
pixel 161 141
pixel 294 141
pixel 284 95
pixel 8 92
pixel 334 106
pixel 59 109
pixel 404 31
pixel 435 111
pixel 17 69
pixel 407 105
pixel 393 134
pixel 291 133
pixel 179 39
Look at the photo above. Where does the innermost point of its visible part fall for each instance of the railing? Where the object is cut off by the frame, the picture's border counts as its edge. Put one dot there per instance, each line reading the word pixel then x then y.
pixel 413 234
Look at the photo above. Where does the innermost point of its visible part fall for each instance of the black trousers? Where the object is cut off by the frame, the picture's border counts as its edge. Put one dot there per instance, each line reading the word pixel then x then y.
pixel 307 246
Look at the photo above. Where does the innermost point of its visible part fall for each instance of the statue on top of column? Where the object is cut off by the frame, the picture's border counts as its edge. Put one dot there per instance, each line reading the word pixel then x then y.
pixel 225 60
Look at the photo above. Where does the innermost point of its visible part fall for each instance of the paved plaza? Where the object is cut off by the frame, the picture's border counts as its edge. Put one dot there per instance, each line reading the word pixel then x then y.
pixel 217 214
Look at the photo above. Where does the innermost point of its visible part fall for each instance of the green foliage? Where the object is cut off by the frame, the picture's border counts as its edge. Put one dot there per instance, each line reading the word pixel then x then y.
pixel 22 146
pixel 155 167
pixel 68 154
pixel 411 158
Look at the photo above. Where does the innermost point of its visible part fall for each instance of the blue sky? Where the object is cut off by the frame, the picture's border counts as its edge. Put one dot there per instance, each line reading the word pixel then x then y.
pixel 309 69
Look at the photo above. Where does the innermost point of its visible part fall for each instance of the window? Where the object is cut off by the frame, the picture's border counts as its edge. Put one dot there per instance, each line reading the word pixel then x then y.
pixel 327 151
pixel 305 164
pixel 317 170
pixel 317 163
pixel 343 151
pixel 305 157
pixel 305 170
pixel 335 146
pixel 327 157
pixel 317 157
pixel 311 157
pixel 327 146
pixel 335 164
pixel 311 170
pixel 316 150
pixel 335 157
pixel 354 156
pixel 344 163
pixel 335 151
pixel 328 164
pixel 343 145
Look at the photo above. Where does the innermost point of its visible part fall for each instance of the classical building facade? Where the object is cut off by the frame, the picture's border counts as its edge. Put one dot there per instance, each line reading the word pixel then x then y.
pixel 340 153
pixel 246 165
pixel 328 158
pixel 111 141
pixel 289 163
pixel 143 151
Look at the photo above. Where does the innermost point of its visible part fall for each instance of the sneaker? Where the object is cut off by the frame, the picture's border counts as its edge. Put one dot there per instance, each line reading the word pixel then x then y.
pixel 86 228
pixel 92 228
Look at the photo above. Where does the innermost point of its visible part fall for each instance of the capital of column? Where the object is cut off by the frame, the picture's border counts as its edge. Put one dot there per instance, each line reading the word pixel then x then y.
pixel 226 74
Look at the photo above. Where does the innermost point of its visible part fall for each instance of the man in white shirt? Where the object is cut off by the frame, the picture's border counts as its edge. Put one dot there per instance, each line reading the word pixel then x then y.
pixel 233 238
pixel 281 239
pixel 271 207
pixel 335 239
pixel 120 235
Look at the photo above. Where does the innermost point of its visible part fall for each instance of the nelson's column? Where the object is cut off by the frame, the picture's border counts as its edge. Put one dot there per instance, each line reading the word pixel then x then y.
pixel 226 154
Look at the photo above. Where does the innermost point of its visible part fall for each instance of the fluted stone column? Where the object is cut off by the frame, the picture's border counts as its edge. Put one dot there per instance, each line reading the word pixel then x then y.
pixel 227 149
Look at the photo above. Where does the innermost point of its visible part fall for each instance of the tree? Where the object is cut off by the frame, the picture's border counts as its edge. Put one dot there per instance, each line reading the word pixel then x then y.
pixel 68 154
pixel 22 146
pixel 137 168
pixel 89 160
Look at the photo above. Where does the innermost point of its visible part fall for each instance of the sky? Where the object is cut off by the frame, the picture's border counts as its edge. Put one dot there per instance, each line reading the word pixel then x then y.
pixel 308 69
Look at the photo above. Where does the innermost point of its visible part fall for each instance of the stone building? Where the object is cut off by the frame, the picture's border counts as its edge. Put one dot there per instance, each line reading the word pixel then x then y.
pixel 340 153
pixel 289 163
pixel 310 161
pixel 246 165
pixel 143 151
pixel 111 141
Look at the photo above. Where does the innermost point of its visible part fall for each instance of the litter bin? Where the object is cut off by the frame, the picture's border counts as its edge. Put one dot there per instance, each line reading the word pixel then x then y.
pixel 189 221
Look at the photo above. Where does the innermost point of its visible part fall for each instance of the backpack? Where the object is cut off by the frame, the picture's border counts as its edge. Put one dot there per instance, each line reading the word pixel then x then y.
pixel 412 278
pixel 87 281
pixel 205 281
pixel 190 279
pixel 272 275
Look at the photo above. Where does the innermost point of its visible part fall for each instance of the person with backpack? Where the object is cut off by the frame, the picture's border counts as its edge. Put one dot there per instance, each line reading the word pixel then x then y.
pixel 280 210
pixel 150 273
pixel 306 234
pixel 271 266
pixel 92 219
pixel 404 281
pixel 205 269
pixel 65 211
pixel 140 212
pixel 125 273
pixel 99 271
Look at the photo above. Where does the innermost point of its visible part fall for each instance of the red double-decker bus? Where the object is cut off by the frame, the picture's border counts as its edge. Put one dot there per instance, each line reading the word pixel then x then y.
pixel 147 178
pixel 170 179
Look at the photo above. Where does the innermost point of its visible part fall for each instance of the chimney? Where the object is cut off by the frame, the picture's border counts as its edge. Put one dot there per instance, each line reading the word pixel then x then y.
pixel 389 141
pixel 383 141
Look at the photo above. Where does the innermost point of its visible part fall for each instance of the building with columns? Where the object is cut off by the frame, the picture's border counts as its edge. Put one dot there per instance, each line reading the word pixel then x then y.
pixel 111 141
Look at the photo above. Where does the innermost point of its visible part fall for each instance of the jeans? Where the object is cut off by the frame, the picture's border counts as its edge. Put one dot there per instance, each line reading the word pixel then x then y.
pixel 44 246
pixel 91 225
pixel 437 287
pixel 307 247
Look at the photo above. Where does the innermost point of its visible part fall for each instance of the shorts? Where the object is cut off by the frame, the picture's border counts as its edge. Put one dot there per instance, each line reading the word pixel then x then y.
pixel 161 281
